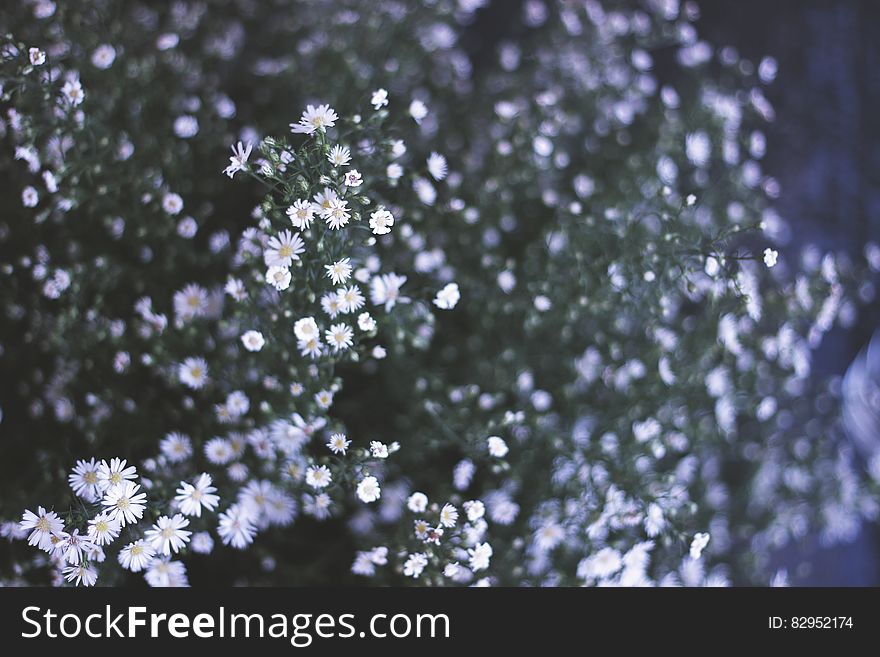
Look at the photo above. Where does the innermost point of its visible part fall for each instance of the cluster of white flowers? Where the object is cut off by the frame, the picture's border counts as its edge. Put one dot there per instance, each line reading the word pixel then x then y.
pixel 555 322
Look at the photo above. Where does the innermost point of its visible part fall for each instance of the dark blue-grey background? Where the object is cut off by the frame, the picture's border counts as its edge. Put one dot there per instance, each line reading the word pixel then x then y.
pixel 824 148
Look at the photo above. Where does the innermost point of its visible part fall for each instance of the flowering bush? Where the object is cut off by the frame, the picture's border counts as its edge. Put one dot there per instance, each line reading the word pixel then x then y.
pixel 473 314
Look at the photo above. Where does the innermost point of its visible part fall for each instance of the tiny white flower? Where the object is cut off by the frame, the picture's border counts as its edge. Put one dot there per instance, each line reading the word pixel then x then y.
pixel 378 450
pixel 192 497
pixel 315 119
pixel 770 257
pixel 301 214
pixel 366 322
pixel 480 555
pixel 339 337
pixel 193 373
pixel 172 203
pixel 36 56
pixel 368 489
pixel 497 447
pixel 379 99
pixel 253 340
pixel 167 534
pixel 448 516
pixel 415 564
pixel 278 277
pixel 324 399
pixel 353 178
pixel 474 509
pixel 417 502
pixel 306 328
pixel 103 529
pixel 104 56
pixel 238 160
pixel 381 221
pixel 340 271
pixel 701 540
pixel 339 156
pixel 418 110
pixel 338 443
pixel 283 249
pixel 437 166
pixel 448 297
pixel 73 92
pixel 124 503
pixel 136 556
pixel 318 476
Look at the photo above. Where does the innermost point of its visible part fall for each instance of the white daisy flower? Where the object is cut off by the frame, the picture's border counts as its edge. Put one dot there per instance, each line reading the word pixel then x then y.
pixel 474 509
pixel 366 322
pixel 190 302
pixel 301 214
pixel 324 399
pixel 385 290
pixel 350 299
pixel 339 156
pixel 381 221
pixel 497 447
pixel 124 503
pixel 338 443
pixel 73 93
pixel 193 373
pixel 278 277
pixel 168 534
pixel 103 529
pixel 331 305
pixel 73 547
pixel 218 451
pixel 306 328
pixel 238 161
pixel 172 203
pixel 104 56
pixel 437 166
pixel 337 214
pixel 417 502
pixel 311 347
pixel 136 556
pixel 415 564
pixel 448 297
pixel 29 197
pixel 339 337
pixel 84 479
pixel 283 249
pixel 418 111
pixel 479 556
pixel 166 573
pixel 379 99
pixel 45 526
pixel 253 340
pixel 202 543
pixel 314 119
pixel 368 489
pixel 318 476
pixel 235 527
pixel 340 271
pixel 192 497
pixel 448 516
pixel 176 447
pixel 323 200
pixel 83 574
pixel 114 474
